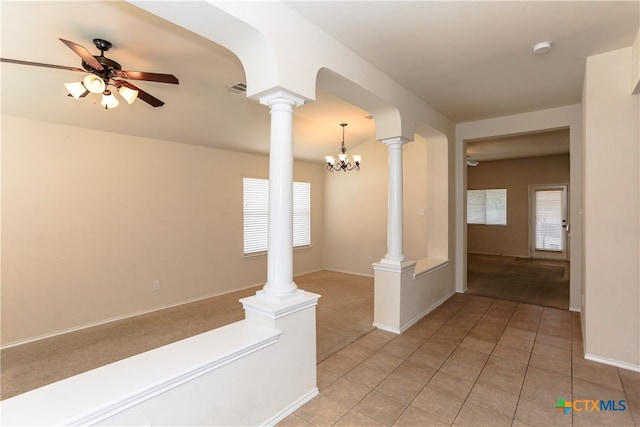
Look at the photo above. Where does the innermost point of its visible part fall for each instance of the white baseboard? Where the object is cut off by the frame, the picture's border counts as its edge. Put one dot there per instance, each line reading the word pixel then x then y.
pixel 612 362
pixel 349 272
pixel 292 408
pixel 413 321
pixel 387 328
pixel 576 309
pixel 427 311
pixel 115 319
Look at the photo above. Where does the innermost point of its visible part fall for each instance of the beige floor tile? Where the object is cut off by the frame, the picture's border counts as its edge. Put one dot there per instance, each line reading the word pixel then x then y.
pixel 356 419
pixel 465 363
pixel 555 330
pixel 551 358
pixel 383 362
pixel 597 373
pixel 475 415
pixel 510 353
pixel 376 339
pixel 356 352
pixel 534 413
pixel 410 339
pixel 338 364
pixel 454 386
pixel 552 341
pixel 399 349
pixel 322 411
pixel 428 358
pixel 524 325
pixel 631 385
pixel 379 407
pixel 438 402
pixel 346 392
pixel 588 390
pixel 486 332
pixel 503 374
pixel 513 342
pixel 294 421
pixel 519 334
pixel 415 371
pixel 493 399
pixel 366 375
pixel 496 321
pixel 413 417
pixel 477 344
pixel 325 378
pixel 399 388
pixel 545 387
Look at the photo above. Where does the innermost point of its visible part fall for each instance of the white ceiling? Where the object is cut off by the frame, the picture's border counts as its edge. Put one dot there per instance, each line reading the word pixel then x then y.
pixel 469 60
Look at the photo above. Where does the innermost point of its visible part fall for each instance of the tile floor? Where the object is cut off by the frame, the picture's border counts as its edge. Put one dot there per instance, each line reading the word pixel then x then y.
pixel 474 361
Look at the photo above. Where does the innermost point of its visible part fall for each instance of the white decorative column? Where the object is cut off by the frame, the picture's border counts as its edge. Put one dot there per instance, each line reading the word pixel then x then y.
pixel 280 285
pixel 395 227
pixel 393 271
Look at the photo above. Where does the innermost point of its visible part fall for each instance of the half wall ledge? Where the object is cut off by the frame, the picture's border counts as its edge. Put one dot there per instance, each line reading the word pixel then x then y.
pixel 107 393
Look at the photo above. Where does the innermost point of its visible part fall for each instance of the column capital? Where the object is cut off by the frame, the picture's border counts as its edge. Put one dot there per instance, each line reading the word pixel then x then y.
pixel 280 96
pixel 396 140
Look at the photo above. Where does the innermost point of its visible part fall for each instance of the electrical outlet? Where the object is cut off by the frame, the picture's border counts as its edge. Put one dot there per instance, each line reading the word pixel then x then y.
pixel 156 285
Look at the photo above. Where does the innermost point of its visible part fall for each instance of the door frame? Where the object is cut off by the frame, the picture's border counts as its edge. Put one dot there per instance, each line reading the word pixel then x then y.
pixel 548 254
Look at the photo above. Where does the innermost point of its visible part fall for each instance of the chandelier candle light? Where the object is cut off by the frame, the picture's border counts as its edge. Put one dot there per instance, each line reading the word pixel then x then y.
pixel 343 162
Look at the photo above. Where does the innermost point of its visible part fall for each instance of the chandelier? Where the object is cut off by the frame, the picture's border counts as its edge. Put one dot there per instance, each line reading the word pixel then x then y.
pixel 343 163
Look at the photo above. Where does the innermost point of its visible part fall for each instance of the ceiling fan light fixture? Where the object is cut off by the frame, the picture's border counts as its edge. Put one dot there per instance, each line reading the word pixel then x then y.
pixel 94 84
pixel 108 100
pixel 128 94
pixel 76 89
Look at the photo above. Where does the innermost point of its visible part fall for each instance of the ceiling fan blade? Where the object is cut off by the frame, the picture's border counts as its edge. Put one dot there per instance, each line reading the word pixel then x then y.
pixel 86 92
pixel 84 54
pixel 146 97
pixel 39 64
pixel 150 77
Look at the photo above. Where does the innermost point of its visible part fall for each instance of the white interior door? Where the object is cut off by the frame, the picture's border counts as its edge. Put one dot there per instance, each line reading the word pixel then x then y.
pixel 549 227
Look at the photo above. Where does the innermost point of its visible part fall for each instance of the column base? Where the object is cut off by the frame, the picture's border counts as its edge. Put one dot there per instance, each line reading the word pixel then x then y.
pixel 265 310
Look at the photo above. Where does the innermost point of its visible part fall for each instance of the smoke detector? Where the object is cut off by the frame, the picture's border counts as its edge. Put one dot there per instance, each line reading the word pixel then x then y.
pixel 541 48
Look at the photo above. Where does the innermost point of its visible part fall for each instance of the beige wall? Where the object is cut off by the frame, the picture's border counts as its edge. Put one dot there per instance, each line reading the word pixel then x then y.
pixel 611 210
pixel 356 206
pixel 516 176
pixel 90 219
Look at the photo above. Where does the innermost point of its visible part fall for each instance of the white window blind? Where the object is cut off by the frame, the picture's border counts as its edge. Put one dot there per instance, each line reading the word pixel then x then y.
pixel 549 220
pixel 487 206
pixel 256 214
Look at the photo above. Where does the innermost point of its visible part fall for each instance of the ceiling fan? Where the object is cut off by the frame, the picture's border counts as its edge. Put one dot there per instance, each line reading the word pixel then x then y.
pixel 104 72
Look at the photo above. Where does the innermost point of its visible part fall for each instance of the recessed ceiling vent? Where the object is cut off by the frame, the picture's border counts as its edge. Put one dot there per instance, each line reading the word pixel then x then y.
pixel 239 88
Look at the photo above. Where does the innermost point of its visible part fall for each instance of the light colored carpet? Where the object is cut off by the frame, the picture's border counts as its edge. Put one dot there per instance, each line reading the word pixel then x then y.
pixel 344 314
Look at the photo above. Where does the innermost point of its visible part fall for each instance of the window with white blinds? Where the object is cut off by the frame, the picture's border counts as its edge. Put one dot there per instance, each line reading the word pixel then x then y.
pixel 255 197
pixel 487 207
pixel 549 217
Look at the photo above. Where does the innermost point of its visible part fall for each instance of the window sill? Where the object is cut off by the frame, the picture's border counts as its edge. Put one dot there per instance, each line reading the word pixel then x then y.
pixel 263 254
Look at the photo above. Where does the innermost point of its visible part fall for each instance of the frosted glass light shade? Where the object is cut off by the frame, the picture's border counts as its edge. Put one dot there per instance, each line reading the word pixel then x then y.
pixel 108 100
pixel 76 89
pixel 128 94
pixel 357 158
pixel 330 159
pixel 93 83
